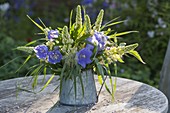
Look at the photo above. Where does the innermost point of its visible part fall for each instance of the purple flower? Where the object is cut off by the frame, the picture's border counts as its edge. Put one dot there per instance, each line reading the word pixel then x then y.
pixel 83 57
pixel 93 41
pixel 54 56
pixel 52 34
pixel 105 4
pixel 41 51
pixel 98 39
pixel 85 2
pixel 101 38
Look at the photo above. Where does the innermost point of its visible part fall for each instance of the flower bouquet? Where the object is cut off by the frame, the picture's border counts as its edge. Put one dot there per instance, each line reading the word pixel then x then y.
pixel 76 53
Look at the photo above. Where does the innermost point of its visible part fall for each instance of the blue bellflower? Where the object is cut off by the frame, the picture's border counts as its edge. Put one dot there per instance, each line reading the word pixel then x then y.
pixel 54 56
pixel 52 34
pixel 41 51
pixel 98 39
pixel 101 38
pixel 83 57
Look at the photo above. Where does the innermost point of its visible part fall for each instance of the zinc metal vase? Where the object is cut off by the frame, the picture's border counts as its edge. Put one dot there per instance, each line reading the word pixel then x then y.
pixel 67 94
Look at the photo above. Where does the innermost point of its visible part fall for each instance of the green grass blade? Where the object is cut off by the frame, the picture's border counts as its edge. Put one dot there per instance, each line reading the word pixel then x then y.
pixel 51 78
pixel 100 79
pixel 71 15
pixel 42 22
pixel 36 23
pixel 45 72
pixel 81 82
pixel 123 33
pixel 32 42
pixel 26 60
pixel 111 21
pixel 115 79
pixel 10 61
pixel 61 76
pixel 100 72
pixel 112 24
pixel 75 85
pixel 35 76
pixel 110 79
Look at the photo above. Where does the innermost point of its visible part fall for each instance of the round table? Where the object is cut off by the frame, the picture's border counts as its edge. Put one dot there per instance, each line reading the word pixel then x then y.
pixel 130 97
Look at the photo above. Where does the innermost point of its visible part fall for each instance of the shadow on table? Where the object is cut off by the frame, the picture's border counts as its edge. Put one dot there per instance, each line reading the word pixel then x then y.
pixel 60 108
pixel 147 97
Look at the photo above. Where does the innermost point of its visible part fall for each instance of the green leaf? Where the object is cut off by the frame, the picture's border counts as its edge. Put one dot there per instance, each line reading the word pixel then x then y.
pixel 99 20
pixel 26 60
pixel 42 22
pixel 110 79
pixel 51 78
pixel 111 24
pixel 136 54
pixel 62 76
pixel 71 14
pixel 25 49
pixel 35 76
pixel 25 90
pixel 45 72
pixel 120 60
pixel 111 21
pixel 115 79
pixel 82 38
pixel 130 47
pixel 100 72
pixel 100 79
pixel 36 24
pixel 81 82
pixel 75 85
pixel 34 84
pixel 123 33
pixel 32 42
pixel 11 61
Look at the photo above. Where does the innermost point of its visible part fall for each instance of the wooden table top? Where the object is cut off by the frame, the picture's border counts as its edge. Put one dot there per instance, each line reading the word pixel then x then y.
pixel 130 97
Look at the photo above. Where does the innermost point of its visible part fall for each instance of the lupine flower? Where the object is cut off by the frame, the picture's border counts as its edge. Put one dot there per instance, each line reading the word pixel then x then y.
pixel 52 34
pixel 54 56
pixel 41 51
pixel 83 57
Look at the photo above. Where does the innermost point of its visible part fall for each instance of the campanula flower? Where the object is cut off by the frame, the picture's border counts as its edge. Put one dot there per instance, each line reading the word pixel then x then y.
pixel 54 56
pixel 52 34
pixel 98 39
pixel 41 51
pixel 101 38
pixel 93 41
pixel 83 57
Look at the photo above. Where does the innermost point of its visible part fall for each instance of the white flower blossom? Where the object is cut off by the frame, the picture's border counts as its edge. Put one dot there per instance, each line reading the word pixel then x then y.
pixel 4 7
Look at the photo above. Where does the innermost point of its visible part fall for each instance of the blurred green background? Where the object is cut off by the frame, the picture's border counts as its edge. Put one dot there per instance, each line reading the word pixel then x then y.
pixel 150 17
